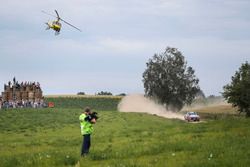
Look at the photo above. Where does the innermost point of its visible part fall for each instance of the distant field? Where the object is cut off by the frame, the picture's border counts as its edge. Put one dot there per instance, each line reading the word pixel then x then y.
pixel 83 96
pixel 82 101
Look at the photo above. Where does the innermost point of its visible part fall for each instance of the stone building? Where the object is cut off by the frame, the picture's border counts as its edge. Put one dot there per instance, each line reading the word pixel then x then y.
pixel 24 91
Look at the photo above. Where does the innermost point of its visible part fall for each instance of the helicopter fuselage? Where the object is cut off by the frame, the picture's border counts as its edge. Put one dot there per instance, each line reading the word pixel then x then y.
pixel 55 25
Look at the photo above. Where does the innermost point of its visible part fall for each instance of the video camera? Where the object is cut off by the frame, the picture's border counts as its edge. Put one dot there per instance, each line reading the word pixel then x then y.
pixel 92 115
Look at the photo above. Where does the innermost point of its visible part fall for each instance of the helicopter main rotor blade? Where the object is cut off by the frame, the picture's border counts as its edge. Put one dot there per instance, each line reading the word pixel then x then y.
pixel 57 14
pixel 71 25
pixel 49 14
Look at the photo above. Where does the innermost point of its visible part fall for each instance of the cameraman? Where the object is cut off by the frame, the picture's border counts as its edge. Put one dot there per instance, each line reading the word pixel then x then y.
pixel 87 119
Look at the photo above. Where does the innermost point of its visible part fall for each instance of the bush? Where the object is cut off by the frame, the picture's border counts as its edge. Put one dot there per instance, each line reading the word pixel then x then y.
pixel 104 93
pixel 81 93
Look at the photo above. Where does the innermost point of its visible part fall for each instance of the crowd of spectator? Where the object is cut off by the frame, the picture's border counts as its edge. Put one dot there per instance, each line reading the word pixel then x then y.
pixel 23 104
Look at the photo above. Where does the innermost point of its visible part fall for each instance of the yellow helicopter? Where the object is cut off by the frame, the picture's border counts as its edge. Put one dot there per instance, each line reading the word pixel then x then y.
pixel 56 25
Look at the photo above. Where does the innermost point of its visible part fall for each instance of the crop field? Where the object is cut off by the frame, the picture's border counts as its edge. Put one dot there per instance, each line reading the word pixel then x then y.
pixel 51 137
pixel 77 101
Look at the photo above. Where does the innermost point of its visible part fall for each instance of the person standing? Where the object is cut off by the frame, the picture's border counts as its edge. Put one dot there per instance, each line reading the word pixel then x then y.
pixel 86 122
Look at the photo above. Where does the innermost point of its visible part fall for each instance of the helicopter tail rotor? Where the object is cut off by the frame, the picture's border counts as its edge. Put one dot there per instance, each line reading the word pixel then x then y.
pixel 48 26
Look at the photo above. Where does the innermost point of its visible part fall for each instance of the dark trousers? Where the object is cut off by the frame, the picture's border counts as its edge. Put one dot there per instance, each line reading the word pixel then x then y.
pixel 85 144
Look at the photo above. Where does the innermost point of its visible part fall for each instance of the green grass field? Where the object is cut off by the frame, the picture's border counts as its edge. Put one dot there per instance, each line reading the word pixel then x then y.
pixel 78 101
pixel 51 137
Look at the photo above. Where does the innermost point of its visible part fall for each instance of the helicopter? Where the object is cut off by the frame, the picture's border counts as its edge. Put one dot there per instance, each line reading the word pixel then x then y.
pixel 56 25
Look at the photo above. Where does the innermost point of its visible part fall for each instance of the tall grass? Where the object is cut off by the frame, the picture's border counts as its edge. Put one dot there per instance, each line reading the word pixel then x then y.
pixel 144 140
pixel 44 137
pixel 51 137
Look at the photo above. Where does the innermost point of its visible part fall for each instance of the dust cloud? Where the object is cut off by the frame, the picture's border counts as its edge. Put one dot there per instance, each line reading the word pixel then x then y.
pixel 139 103
pixel 209 102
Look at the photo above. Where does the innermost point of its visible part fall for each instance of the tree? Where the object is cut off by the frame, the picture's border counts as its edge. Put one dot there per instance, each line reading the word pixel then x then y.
pixel 104 93
pixel 200 95
pixel 168 79
pixel 81 93
pixel 238 91
pixel 122 94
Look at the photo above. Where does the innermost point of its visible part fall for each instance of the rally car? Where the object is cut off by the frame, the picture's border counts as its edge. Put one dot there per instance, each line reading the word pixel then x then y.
pixel 191 116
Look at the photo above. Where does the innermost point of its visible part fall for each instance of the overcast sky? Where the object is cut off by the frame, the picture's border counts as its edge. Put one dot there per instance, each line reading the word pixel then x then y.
pixel 117 39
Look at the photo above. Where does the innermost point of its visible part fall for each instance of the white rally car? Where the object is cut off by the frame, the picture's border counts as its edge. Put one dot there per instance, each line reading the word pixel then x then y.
pixel 191 116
